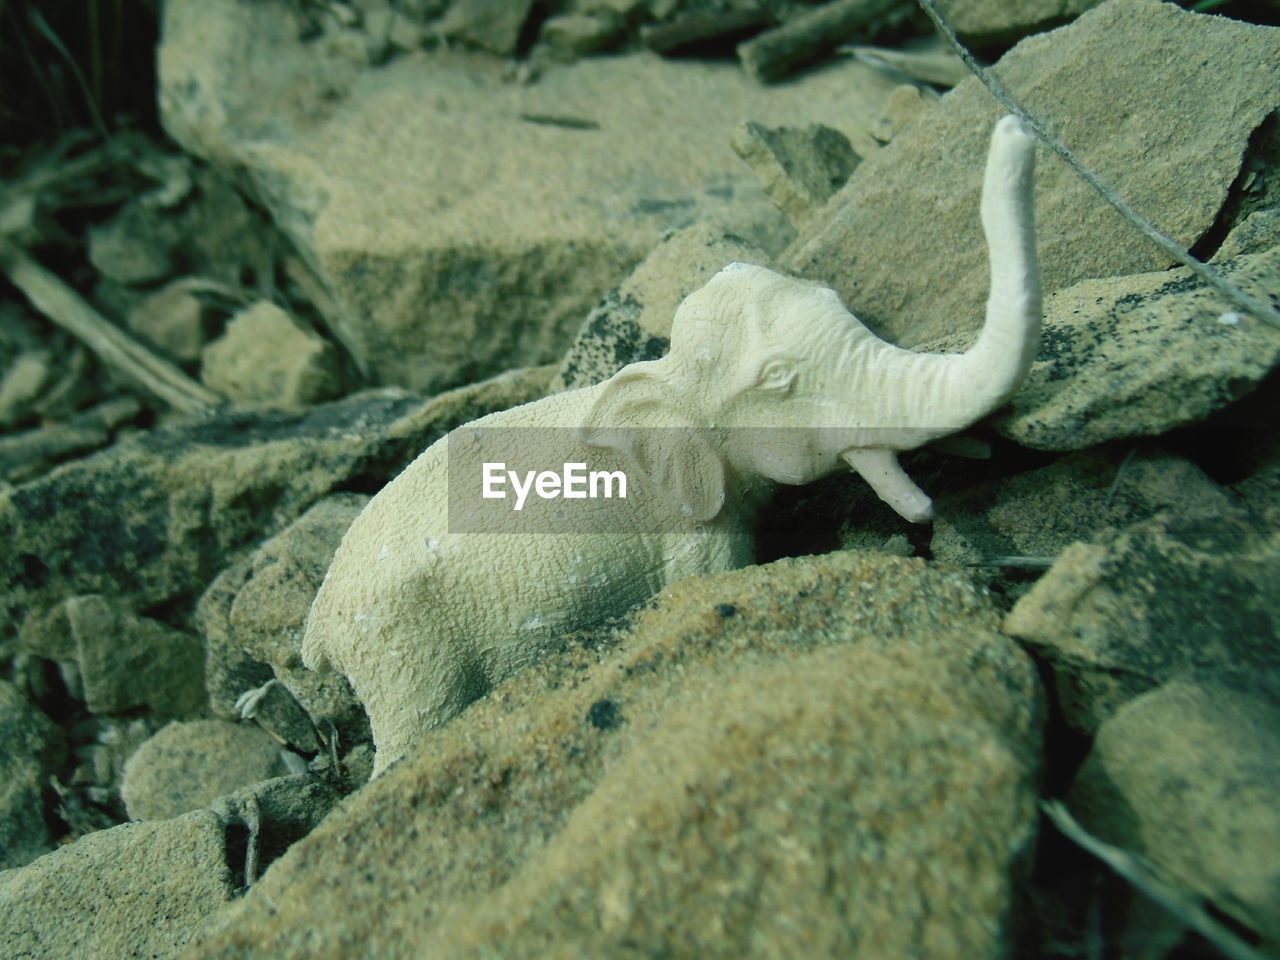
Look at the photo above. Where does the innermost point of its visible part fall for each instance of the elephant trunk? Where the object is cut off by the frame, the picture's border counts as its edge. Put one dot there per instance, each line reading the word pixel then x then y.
pixel 1010 337
pixel 965 387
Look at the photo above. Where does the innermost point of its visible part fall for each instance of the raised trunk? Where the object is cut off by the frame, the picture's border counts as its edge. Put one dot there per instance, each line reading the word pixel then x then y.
pixel 957 389
pixel 997 364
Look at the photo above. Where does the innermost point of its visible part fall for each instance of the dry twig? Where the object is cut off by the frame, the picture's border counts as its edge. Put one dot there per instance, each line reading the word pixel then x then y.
pixel 113 346
pixel 777 52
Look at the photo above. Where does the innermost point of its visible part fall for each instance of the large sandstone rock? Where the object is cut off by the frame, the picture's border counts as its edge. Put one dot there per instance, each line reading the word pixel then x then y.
pixel 463 223
pixel 153 519
pixel 819 757
pixel 136 890
pixel 1187 776
pixel 1123 86
pixel 31 748
pixel 1137 607
pixel 187 766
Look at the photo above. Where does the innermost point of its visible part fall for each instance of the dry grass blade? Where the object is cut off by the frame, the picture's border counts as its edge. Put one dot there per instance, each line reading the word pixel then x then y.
pixel 1249 304
pixel 42 25
pixel 1143 877
pixel 1016 563
pixel 113 346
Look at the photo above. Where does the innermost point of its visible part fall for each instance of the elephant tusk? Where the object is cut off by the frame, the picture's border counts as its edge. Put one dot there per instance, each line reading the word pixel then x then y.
pixel 880 468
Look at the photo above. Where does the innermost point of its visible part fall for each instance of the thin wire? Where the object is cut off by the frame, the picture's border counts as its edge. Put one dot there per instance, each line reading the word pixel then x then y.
pixel 1229 290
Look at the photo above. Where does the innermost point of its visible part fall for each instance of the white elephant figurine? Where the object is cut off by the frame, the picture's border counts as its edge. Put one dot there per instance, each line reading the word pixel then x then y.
pixel 769 380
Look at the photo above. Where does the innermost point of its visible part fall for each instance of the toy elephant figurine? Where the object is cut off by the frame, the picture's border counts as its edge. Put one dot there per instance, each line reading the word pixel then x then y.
pixel 769 380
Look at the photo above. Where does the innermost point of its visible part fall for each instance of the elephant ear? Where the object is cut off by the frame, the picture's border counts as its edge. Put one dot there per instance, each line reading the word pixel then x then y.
pixel 639 416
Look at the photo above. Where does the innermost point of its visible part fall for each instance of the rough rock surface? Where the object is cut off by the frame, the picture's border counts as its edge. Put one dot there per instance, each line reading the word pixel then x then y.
pixel 155 518
pixel 172 319
pixel 1259 490
pixel 635 794
pixel 188 765
pixel 458 220
pixel 1123 87
pixel 268 358
pixel 31 747
pixel 578 34
pixel 986 21
pixel 252 618
pixel 798 167
pixel 904 105
pixel 121 660
pixel 1041 512
pixel 1141 355
pixel 1135 608
pixel 21 384
pixel 633 321
pixel 1257 232
pixel 136 890
pixel 1187 776
pixel 492 25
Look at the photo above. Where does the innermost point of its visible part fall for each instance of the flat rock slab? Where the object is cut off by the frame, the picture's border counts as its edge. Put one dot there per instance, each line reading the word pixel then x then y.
pixel 1141 355
pixel 1039 513
pixel 136 890
pixel 1128 88
pixel 635 794
pixel 122 660
pixel 153 519
pixel 461 222
pixel 1187 776
pixel 1141 606
pixel 158 515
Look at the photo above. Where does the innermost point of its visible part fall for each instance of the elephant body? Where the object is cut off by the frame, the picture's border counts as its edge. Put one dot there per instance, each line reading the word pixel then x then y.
pixel 423 621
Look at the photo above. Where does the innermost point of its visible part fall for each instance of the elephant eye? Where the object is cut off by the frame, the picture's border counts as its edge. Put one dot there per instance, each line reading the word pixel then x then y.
pixel 777 375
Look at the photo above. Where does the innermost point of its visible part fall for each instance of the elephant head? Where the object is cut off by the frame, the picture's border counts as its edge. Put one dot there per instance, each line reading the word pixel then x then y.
pixel 772 377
